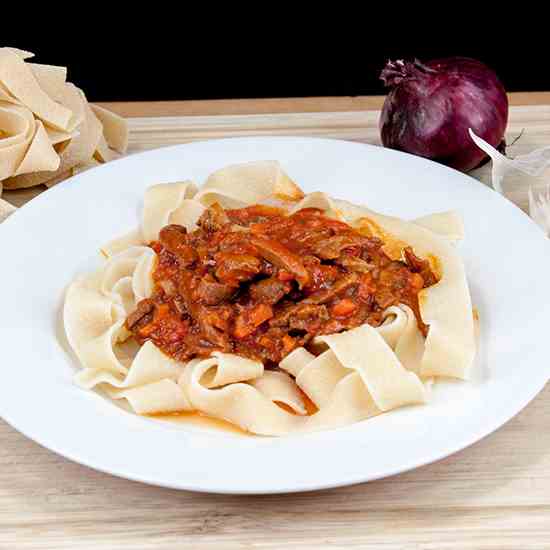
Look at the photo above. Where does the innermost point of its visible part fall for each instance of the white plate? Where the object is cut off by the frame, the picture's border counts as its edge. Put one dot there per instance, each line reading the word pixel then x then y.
pixel 56 236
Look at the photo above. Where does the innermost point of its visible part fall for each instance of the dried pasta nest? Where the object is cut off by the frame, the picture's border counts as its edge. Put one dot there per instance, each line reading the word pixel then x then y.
pixel 48 130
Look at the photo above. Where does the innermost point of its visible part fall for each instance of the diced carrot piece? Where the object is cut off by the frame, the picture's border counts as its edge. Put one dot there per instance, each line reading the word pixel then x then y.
pixel 343 308
pixel 216 320
pixel 285 275
pixel 260 313
pixel 247 322
pixel 288 343
pixel 265 342
pixel 242 328
pixel 161 311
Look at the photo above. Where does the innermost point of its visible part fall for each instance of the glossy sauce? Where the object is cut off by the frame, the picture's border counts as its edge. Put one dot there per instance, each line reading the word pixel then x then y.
pixel 197 419
pixel 260 283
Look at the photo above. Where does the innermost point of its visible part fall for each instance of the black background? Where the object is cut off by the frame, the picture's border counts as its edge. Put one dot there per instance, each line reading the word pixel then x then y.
pixel 272 62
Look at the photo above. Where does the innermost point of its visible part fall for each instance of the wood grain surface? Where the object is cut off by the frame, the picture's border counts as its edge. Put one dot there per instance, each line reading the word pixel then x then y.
pixel 277 105
pixel 495 495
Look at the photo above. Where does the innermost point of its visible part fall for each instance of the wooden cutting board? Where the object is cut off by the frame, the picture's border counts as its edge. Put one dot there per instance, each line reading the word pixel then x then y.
pixel 494 495
pixel 531 123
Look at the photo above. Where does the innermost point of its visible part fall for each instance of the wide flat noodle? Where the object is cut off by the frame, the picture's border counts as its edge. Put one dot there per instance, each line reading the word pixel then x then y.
pixel 319 377
pixel 390 385
pixel 149 365
pixel 280 388
pixel 115 128
pixel 58 134
pixel 91 321
pixel 137 263
pixel 149 385
pixel 340 395
pixel 23 54
pixel 400 331
pixel 6 96
pixel 239 403
pixel 123 292
pixel 95 311
pixel 19 79
pixel 349 403
pixel 230 369
pixel 296 360
pixel 133 238
pixel 446 306
pixel 40 155
pixel 167 203
pixel 60 139
pixel 73 98
pixel 17 125
pixel 164 396
pixel 249 183
pixel 6 210
pixel 122 265
pixel 80 149
pixel 250 401
pixel 103 153
pixel 50 77
pixel 17 132
pixel 445 224
pixel 25 145
pixel 318 200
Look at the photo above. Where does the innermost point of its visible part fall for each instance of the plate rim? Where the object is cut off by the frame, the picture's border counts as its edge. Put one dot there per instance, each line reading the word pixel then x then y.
pixel 498 421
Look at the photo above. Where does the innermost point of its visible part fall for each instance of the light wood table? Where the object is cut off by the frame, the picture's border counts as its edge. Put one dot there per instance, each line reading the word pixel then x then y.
pixel 494 495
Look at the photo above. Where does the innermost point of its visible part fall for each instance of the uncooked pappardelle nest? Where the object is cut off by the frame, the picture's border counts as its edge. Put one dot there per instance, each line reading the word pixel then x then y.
pixel 48 130
pixel 248 301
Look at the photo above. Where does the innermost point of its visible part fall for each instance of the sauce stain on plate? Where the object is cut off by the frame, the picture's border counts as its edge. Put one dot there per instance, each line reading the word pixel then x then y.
pixel 198 420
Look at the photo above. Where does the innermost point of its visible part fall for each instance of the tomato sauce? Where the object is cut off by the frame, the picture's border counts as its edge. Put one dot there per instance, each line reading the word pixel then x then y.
pixel 259 283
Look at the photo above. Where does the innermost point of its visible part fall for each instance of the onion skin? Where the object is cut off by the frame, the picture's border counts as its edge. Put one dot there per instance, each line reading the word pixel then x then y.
pixel 431 106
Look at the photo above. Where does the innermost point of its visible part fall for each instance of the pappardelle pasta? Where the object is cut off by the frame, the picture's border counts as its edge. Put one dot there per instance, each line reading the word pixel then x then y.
pixel 248 301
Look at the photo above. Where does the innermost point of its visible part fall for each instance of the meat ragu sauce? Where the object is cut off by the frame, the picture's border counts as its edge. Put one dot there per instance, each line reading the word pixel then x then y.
pixel 259 283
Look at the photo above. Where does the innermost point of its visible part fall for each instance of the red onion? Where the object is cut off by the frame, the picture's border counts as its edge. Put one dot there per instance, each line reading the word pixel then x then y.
pixel 431 106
